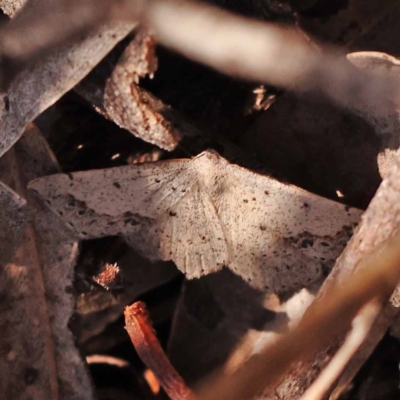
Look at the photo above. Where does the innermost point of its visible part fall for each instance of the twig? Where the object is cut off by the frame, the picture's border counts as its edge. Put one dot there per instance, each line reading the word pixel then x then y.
pixel 40 27
pixel 375 335
pixel 376 277
pixel 105 359
pixel 139 328
pixel 231 44
pixel 361 326
pixel 380 222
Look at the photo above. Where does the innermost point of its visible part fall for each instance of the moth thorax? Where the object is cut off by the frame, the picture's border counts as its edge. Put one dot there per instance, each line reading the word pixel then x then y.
pixel 208 178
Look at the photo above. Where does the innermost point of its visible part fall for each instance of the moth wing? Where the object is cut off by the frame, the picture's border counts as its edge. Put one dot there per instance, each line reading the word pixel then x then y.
pixel 117 200
pixel 282 237
pixel 188 229
pixel 193 236
pixel 188 233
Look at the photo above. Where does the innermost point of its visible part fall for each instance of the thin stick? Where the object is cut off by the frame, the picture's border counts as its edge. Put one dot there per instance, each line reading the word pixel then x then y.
pixel 375 335
pixel 264 52
pixel 233 45
pixel 361 326
pixel 148 347
pixel 376 277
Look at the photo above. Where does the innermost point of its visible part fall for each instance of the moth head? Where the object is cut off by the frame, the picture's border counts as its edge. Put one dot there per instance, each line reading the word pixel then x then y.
pixel 209 155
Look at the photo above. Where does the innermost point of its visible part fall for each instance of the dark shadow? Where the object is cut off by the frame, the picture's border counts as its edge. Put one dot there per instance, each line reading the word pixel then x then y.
pixel 320 147
pixel 213 315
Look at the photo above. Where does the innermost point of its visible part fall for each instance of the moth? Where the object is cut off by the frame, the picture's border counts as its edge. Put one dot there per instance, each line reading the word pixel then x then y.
pixel 205 213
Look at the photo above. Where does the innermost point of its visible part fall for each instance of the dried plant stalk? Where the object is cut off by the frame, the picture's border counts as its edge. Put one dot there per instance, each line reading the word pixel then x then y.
pixel 231 44
pixel 40 26
pixel 150 351
pixel 376 277
pixel 375 335
pixel 361 326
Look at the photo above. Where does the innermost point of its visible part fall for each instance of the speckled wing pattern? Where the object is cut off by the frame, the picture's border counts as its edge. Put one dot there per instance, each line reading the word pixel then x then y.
pixel 282 237
pixel 113 201
pixel 204 214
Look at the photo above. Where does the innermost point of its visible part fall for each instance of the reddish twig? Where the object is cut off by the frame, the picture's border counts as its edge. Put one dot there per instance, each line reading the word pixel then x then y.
pixel 141 332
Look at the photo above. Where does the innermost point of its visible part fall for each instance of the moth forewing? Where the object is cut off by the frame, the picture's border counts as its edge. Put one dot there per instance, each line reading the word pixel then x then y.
pixel 282 237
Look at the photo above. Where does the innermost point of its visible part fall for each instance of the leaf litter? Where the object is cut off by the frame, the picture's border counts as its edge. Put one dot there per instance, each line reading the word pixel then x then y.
pixel 300 234
pixel 39 359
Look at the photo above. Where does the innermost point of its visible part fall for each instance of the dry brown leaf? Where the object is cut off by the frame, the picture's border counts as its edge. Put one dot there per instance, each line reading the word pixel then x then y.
pixel 38 87
pixel 114 92
pixel 40 359
pixel 204 214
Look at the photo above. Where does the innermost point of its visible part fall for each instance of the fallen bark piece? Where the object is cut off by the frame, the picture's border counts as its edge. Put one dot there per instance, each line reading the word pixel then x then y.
pixel 114 92
pixel 205 214
pixel 37 261
pixel 138 326
pixel 38 87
